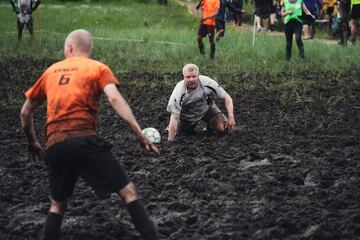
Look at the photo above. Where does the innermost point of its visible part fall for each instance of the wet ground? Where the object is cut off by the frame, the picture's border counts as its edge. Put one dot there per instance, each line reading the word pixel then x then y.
pixel 289 172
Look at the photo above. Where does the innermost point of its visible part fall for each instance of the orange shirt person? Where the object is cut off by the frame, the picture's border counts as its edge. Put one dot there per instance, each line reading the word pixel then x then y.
pixel 207 25
pixel 72 89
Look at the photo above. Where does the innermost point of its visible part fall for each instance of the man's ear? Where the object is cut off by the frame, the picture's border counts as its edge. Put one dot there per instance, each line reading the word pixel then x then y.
pixel 69 49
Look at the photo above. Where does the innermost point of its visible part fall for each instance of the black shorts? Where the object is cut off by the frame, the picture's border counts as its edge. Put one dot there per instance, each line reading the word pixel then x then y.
pixel 307 19
pixel 206 30
pixel 187 127
pixel 263 11
pixel 89 157
pixel 220 28
pixel 355 11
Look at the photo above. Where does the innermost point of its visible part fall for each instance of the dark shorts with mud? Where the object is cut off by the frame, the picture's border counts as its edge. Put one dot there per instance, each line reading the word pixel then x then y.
pixel 263 11
pixel 186 127
pixel 89 157
pixel 206 30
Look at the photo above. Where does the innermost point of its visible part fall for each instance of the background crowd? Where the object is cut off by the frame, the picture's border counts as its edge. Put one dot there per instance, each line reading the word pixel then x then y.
pixel 339 17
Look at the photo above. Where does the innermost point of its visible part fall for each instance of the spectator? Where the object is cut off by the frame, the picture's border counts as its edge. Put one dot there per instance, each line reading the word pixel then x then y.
pixel 220 20
pixel 235 6
pixel 343 18
pixel 355 15
pixel 314 7
pixel 262 12
pixel 291 12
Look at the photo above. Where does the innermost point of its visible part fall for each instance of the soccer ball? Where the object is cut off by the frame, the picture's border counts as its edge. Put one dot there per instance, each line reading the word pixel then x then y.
pixel 152 134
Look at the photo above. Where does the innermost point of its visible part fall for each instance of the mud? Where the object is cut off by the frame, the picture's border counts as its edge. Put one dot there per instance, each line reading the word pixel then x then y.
pixel 290 171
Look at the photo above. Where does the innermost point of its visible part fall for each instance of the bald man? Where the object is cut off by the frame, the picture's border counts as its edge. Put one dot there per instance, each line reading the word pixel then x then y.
pixel 72 89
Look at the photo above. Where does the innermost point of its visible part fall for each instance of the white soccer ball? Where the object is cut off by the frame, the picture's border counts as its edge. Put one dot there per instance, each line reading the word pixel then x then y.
pixel 152 134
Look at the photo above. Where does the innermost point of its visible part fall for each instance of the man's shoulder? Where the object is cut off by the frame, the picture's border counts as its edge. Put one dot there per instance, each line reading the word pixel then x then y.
pixel 180 84
pixel 206 80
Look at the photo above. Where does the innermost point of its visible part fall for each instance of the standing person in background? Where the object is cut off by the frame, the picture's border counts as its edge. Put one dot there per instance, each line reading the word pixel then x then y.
pixel 72 89
pixel 220 20
pixel 262 12
pixel 291 12
pixel 23 10
pixel 314 7
pixel 355 15
pixel 235 6
pixel 273 19
pixel 343 18
pixel 207 24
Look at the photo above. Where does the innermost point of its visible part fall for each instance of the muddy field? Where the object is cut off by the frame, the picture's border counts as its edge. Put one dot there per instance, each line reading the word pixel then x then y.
pixel 289 172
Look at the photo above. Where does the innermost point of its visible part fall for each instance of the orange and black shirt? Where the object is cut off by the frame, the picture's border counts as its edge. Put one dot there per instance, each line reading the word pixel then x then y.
pixel 72 89
pixel 210 8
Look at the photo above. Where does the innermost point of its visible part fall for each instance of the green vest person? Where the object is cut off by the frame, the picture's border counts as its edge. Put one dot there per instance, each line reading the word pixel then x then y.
pixel 291 12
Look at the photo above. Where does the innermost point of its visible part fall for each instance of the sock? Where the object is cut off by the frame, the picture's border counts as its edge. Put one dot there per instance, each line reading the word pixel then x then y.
pixel 142 221
pixel 212 52
pixel 52 227
pixel 201 48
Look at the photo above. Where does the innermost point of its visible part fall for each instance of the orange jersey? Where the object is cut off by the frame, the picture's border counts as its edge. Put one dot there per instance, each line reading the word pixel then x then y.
pixel 210 8
pixel 72 88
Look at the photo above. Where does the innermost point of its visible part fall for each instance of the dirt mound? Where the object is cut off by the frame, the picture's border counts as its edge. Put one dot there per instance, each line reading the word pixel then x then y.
pixel 293 177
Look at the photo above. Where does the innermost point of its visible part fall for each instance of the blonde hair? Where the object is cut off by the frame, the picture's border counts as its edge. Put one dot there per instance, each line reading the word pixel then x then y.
pixel 190 68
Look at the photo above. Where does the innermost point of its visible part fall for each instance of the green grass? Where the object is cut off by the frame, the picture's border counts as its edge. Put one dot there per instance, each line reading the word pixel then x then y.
pixel 133 37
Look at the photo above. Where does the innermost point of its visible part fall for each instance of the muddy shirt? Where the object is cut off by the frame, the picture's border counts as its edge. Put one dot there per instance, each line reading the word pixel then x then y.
pixel 72 89
pixel 192 106
pixel 24 7
pixel 210 7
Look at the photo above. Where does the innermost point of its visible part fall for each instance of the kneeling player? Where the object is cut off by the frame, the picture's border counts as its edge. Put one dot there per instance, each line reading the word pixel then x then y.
pixel 192 101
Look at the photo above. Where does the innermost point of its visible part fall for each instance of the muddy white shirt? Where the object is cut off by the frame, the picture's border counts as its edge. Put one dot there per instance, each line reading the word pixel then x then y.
pixel 24 7
pixel 192 106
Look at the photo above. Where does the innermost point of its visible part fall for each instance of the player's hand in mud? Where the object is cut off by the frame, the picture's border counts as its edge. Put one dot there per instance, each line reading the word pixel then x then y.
pixel 149 146
pixel 231 124
pixel 36 152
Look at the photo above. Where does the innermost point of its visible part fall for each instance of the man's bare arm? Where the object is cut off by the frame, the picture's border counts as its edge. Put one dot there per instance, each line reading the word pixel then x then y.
pixel 174 120
pixel 121 106
pixel 27 123
pixel 228 102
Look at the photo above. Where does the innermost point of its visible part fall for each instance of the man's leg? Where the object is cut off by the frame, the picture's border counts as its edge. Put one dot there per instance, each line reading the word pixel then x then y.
pixel 307 32
pixel 299 42
pixel 258 23
pixel 138 213
pixel 201 45
pixel 212 42
pixel 219 123
pixel 20 27
pixel 288 35
pixel 266 24
pixel 353 29
pixel 53 221
pixel 201 34
pixel 215 119
pixel 343 32
pixel 30 26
